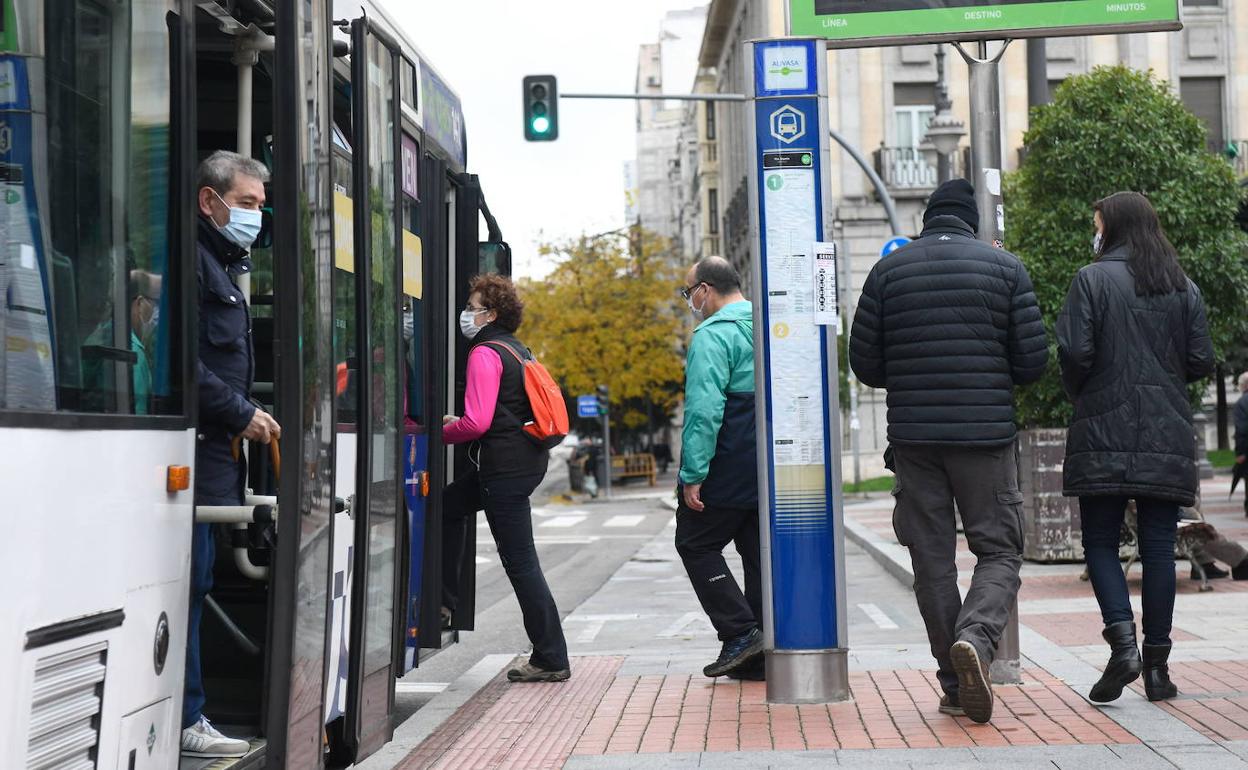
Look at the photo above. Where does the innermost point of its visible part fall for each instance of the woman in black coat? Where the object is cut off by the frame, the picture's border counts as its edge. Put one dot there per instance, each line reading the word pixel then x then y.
pixel 1131 337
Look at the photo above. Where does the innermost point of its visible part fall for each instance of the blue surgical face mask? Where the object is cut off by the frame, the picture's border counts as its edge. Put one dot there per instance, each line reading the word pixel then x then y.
pixel 243 227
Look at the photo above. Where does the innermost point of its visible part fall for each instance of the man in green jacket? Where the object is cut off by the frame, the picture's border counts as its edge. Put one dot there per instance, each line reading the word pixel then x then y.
pixel 718 488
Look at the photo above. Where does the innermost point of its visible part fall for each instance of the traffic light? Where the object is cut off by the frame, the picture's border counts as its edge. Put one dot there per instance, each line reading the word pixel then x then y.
pixel 541 108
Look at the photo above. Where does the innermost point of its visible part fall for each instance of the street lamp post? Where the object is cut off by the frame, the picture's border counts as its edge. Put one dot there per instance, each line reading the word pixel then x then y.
pixel 944 132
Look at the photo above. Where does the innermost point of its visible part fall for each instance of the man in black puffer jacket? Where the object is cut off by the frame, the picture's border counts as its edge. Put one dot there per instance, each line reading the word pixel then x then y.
pixel 950 325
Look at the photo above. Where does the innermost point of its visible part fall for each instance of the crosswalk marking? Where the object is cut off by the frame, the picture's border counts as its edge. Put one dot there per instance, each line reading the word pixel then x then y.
pixel 682 626
pixel 562 521
pixel 594 625
pixel 624 521
pixel 878 617
pixel 411 688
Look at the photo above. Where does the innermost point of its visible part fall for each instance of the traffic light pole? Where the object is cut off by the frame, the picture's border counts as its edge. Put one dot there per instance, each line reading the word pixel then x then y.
pixel 605 401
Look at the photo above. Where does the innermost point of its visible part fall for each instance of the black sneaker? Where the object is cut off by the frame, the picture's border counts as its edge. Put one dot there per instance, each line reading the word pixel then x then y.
pixel 736 652
pixel 754 671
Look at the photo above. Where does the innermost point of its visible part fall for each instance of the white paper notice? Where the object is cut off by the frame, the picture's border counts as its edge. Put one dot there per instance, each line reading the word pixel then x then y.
pixel 824 286
pixel 992 176
pixel 794 339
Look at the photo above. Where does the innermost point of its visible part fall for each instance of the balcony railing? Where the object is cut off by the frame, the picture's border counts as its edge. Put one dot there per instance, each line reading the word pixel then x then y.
pixel 1239 158
pixel 905 168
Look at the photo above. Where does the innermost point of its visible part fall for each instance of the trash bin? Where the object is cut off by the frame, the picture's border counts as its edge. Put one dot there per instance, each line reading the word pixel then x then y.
pixel 576 475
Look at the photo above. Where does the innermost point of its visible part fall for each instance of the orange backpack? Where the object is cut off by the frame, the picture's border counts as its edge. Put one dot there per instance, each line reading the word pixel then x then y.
pixel 550 411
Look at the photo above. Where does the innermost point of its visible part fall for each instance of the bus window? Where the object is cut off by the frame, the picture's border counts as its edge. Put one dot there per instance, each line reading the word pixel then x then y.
pixel 86 311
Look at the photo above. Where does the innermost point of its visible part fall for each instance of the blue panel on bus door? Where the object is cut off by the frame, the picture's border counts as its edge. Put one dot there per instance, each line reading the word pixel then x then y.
pixel 415 464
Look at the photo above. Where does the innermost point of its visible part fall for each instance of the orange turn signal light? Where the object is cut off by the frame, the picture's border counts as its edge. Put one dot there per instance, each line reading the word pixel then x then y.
pixel 178 478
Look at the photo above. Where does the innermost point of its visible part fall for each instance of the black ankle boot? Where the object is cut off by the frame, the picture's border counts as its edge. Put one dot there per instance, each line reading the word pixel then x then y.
pixel 1157 684
pixel 1124 662
pixel 1240 571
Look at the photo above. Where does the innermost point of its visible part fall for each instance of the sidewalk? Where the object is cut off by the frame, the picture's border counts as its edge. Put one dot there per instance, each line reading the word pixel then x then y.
pixel 638 700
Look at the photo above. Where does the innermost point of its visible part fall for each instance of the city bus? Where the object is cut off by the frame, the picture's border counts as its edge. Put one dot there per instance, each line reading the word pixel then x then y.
pixel 327 582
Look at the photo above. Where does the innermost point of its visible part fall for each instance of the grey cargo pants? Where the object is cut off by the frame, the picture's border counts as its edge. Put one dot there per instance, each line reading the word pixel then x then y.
pixel 984 483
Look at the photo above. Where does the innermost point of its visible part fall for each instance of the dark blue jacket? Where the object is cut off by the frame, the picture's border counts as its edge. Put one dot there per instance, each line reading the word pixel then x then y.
pixel 224 370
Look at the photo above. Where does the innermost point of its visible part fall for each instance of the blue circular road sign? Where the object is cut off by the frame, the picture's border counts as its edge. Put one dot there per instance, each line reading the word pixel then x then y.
pixel 893 244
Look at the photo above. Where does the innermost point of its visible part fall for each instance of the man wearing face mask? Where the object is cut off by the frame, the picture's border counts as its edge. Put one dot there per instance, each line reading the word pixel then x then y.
pixel 718 483
pixel 231 192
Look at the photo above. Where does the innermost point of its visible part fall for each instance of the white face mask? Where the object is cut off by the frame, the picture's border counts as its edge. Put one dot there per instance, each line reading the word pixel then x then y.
pixel 699 313
pixel 243 227
pixel 409 325
pixel 1097 241
pixel 468 322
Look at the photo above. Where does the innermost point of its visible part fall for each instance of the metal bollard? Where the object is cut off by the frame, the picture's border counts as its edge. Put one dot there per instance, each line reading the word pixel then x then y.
pixel 1005 668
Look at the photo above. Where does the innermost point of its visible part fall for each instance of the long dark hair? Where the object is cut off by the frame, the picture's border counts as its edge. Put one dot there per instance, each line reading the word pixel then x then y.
pixel 1131 221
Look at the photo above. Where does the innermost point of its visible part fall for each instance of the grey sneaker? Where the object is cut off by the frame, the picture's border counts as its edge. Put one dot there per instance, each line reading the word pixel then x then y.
pixel 974 687
pixel 203 740
pixel 527 672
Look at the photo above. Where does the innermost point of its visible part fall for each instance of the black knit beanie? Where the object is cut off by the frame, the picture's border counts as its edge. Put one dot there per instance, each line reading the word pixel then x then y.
pixel 956 197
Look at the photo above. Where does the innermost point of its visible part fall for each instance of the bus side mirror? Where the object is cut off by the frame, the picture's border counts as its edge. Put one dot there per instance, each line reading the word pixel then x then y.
pixel 494 257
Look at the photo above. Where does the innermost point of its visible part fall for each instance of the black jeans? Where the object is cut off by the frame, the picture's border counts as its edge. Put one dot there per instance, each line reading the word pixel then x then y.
pixel 701 537
pixel 506 505
pixel 1157 522
pixel 984 483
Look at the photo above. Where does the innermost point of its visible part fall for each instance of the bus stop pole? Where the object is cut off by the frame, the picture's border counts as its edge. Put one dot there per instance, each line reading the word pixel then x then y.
pixel 795 365
pixel 986 162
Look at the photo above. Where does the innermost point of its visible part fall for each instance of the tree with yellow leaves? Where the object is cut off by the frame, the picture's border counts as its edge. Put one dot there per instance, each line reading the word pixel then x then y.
pixel 609 313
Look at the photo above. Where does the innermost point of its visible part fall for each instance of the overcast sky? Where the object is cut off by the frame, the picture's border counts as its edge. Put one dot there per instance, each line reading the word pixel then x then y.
pixel 542 190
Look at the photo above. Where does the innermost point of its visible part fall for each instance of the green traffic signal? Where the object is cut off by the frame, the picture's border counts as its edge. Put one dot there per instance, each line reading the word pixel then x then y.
pixel 541 108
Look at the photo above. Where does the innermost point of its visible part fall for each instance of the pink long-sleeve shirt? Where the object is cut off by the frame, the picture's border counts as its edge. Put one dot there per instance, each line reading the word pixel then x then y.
pixel 485 374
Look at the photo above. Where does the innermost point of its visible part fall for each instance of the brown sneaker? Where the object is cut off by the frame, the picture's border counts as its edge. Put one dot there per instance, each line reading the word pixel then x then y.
pixel 527 672
pixel 974 687
pixel 949 705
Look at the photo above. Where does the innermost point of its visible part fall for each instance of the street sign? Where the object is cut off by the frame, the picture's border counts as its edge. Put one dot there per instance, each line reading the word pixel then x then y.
pixel 587 406
pixel 804 618
pixel 893 244
pixel 863 23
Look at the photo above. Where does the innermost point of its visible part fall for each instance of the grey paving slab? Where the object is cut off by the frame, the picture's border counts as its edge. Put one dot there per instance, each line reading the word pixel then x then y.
pixel 1212 756
pixel 1238 748
pixel 1020 758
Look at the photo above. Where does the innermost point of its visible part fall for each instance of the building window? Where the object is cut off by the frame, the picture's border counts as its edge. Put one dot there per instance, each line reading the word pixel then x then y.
pixel 712 209
pixel 1205 3
pixel 710 121
pixel 1203 96
pixel 913 109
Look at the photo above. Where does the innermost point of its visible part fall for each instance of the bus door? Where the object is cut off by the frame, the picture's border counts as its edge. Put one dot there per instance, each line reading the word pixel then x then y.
pixel 379 507
pixel 417 384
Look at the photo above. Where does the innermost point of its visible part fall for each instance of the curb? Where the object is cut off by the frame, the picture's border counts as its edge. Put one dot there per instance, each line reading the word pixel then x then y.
pixel 892 557
pixel 430 717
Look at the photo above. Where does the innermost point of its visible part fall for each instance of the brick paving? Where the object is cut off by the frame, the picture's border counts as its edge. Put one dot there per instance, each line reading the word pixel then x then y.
pixel 888 710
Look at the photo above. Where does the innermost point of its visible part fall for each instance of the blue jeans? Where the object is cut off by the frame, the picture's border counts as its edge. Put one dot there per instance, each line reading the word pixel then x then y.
pixel 202 557
pixel 1157 522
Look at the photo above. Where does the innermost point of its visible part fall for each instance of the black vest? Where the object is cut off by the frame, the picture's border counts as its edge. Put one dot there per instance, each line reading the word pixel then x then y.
pixel 505 451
